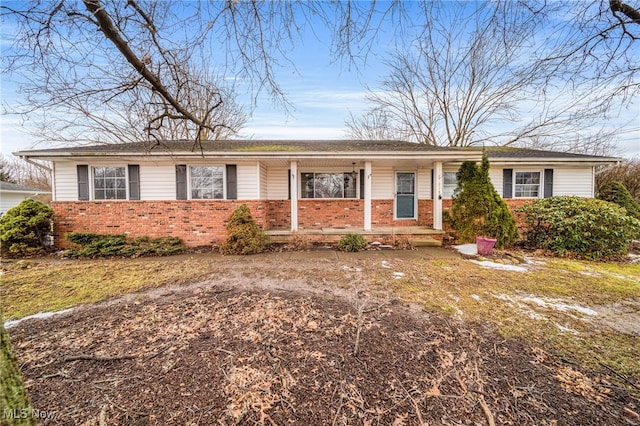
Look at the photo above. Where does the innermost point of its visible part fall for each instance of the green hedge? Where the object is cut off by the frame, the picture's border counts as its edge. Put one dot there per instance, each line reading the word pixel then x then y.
pixel 582 227
pixel 118 245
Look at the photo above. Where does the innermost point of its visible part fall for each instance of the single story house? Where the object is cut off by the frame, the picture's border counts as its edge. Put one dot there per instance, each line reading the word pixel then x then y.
pixel 319 188
pixel 12 194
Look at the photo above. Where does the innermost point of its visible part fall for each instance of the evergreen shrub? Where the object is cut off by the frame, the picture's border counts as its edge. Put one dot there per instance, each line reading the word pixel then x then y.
pixel 581 227
pixel 24 228
pixel 352 242
pixel 616 192
pixel 244 236
pixel 478 210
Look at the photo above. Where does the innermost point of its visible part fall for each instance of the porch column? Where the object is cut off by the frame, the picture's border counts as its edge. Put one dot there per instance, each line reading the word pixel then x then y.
pixel 367 196
pixel 293 179
pixel 437 195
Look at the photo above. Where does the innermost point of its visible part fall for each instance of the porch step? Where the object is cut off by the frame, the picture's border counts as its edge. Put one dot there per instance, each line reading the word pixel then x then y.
pixel 426 242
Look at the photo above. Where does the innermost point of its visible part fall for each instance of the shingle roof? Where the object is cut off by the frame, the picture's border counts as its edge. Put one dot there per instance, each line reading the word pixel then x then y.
pixel 13 187
pixel 262 147
pixel 513 152
pixel 251 146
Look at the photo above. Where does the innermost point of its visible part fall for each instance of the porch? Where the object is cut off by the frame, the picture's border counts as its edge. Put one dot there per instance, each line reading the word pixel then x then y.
pixel 418 236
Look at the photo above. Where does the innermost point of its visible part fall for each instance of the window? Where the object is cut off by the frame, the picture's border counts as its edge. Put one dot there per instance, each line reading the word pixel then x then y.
pixel 109 183
pixel 329 185
pixel 207 182
pixel 449 184
pixel 527 185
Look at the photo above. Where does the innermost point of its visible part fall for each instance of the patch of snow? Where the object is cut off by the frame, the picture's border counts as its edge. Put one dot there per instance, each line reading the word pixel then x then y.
pixel 386 264
pixel 476 297
pixel 549 303
pixel 492 265
pixel 40 315
pixel 590 273
pixel 398 275
pixel 351 268
pixel 564 329
pixel 470 249
pixel 454 297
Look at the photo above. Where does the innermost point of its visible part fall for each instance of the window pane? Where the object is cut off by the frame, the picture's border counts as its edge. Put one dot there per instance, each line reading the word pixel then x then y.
pixel 207 182
pixel 350 185
pixel 109 183
pixel 527 184
pixel 449 184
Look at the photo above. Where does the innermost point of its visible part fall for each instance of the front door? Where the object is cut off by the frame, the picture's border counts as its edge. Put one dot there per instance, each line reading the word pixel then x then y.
pixel 405 195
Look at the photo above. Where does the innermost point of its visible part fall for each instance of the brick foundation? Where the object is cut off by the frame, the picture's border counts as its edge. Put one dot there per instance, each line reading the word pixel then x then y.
pixel 196 223
pixel 203 222
pixel 314 214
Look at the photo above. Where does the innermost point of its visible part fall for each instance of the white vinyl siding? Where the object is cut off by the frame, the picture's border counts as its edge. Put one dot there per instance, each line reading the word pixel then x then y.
pixel 497 178
pixel 247 181
pixel 573 181
pixel 277 183
pixel 382 182
pixel 424 184
pixel 157 182
pixel 263 181
pixel 66 184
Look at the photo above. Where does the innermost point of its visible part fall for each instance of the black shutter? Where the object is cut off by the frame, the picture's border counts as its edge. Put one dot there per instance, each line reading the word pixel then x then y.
pixel 134 182
pixel 289 184
pixel 232 182
pixel 433 187
pixel 83 182
pixel 362 184
pixel 507 183
pixel 181 182
pixel 548 183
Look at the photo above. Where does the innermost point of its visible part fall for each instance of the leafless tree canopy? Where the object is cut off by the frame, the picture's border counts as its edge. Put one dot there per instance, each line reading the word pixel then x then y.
pixel 172 69
pixel 486 75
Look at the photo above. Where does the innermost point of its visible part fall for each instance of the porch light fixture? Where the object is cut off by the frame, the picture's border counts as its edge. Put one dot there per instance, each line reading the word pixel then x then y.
pixel 353 169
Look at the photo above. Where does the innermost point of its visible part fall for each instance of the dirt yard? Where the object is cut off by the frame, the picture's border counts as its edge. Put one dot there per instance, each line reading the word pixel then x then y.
pixel 318 341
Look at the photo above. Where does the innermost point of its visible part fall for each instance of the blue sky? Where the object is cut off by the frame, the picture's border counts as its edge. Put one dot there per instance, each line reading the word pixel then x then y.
pixel 322 93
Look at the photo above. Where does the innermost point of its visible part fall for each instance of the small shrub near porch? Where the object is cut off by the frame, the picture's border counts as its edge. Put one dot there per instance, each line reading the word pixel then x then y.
pixel 244 235
pixel 352 243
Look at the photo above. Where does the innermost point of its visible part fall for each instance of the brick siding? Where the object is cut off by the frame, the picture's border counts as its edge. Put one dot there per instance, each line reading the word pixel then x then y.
pixel 196 223
pixel 203 222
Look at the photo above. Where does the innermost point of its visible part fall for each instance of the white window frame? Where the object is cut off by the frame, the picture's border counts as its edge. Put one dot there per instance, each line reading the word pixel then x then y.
pixel 302 191
pixel 189 181
pixel 540 183
pixel 92 185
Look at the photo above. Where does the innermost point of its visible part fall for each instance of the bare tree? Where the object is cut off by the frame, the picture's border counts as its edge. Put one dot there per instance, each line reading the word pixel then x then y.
pixel 467 80
pixel 142 57
pixel 105 64
pixel 15 170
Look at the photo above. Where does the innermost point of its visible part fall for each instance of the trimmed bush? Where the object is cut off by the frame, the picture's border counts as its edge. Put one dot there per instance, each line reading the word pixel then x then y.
pixel 478 210
pixel 352 242
pixel 118 245
pixel 244 236
pixel 615 192
pixel 582 227
pixel 24 228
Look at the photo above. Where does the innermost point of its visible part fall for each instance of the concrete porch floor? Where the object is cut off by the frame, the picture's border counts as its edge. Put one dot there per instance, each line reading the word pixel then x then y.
pixel 420 236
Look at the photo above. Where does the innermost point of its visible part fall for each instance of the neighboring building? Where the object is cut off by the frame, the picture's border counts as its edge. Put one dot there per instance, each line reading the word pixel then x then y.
pixel 12 194
pixel 319 188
